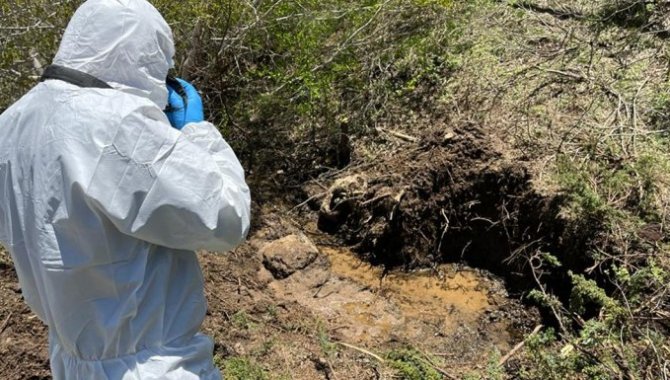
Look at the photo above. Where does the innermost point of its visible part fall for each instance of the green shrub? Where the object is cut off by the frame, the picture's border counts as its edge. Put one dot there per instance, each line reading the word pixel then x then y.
pixel 287 82
pixel 411 365
pixel 587 292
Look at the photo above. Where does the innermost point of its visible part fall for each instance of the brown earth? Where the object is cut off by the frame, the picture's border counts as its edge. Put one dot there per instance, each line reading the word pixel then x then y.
pixel 23 349
pixel 318 321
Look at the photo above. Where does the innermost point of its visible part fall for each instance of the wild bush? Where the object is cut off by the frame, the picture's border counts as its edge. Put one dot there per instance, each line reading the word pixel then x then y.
pixel 291 82
pixel 287 82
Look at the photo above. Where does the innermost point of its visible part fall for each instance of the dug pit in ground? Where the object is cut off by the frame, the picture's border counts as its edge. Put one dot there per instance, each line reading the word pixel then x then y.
pixel 453 199
pixel 459 312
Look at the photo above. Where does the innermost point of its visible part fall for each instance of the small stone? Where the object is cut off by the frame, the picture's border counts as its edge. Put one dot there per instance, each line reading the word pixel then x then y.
pixel 287 255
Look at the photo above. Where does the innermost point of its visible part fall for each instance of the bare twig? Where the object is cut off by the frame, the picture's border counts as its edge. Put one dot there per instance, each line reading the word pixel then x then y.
pixel 313 197
pixel 534 268
pixel 399 135
pixel 6 322
pixel 375 199
pixel 362 350
pixel 519 346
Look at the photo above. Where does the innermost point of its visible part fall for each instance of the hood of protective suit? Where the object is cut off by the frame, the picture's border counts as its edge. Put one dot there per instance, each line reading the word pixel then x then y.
pixel 125 43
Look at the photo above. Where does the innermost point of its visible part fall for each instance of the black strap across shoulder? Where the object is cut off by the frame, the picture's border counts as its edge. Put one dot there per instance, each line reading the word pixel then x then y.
pixel 72 76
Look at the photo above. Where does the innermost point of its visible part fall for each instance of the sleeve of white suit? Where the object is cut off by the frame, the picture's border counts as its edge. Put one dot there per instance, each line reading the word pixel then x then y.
pixel 179 190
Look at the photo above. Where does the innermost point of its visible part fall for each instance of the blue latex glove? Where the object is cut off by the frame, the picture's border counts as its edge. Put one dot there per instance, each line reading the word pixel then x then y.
pixel 179 112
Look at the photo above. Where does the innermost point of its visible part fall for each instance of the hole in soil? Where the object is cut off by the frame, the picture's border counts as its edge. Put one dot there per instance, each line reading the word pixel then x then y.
pixel 457 203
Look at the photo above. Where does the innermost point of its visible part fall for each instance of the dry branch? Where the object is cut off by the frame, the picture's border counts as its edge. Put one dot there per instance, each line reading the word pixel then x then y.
pixel 362 350
pixel 399 135
pixel 6 322
pixel 519 346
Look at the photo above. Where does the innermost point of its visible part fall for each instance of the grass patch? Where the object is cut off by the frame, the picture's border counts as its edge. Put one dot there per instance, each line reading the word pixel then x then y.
pixel 242 320
pixel 242 368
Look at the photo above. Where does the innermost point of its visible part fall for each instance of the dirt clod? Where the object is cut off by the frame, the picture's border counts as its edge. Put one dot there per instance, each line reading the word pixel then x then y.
pixel 285 256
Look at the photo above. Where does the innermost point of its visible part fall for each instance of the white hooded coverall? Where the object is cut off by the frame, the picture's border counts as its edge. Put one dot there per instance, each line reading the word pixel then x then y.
pixel 103 203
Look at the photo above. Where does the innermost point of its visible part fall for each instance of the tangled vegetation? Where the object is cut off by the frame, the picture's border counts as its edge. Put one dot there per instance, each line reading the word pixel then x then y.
pixel 578 90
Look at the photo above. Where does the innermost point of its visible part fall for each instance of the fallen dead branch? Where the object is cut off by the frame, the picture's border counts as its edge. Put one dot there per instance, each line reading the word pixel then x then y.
pixel 6 322
pixel 312 198
pixel 363 351
pixel 519 346
pixel 399 135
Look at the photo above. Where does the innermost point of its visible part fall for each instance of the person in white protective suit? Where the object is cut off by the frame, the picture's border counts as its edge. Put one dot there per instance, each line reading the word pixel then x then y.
pixel 103 203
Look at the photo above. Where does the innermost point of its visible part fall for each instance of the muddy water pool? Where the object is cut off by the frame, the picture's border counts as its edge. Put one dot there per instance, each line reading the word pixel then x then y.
pixel 449 309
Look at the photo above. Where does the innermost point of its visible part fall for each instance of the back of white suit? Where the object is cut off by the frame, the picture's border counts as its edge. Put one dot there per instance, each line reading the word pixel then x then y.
pixel 102 204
